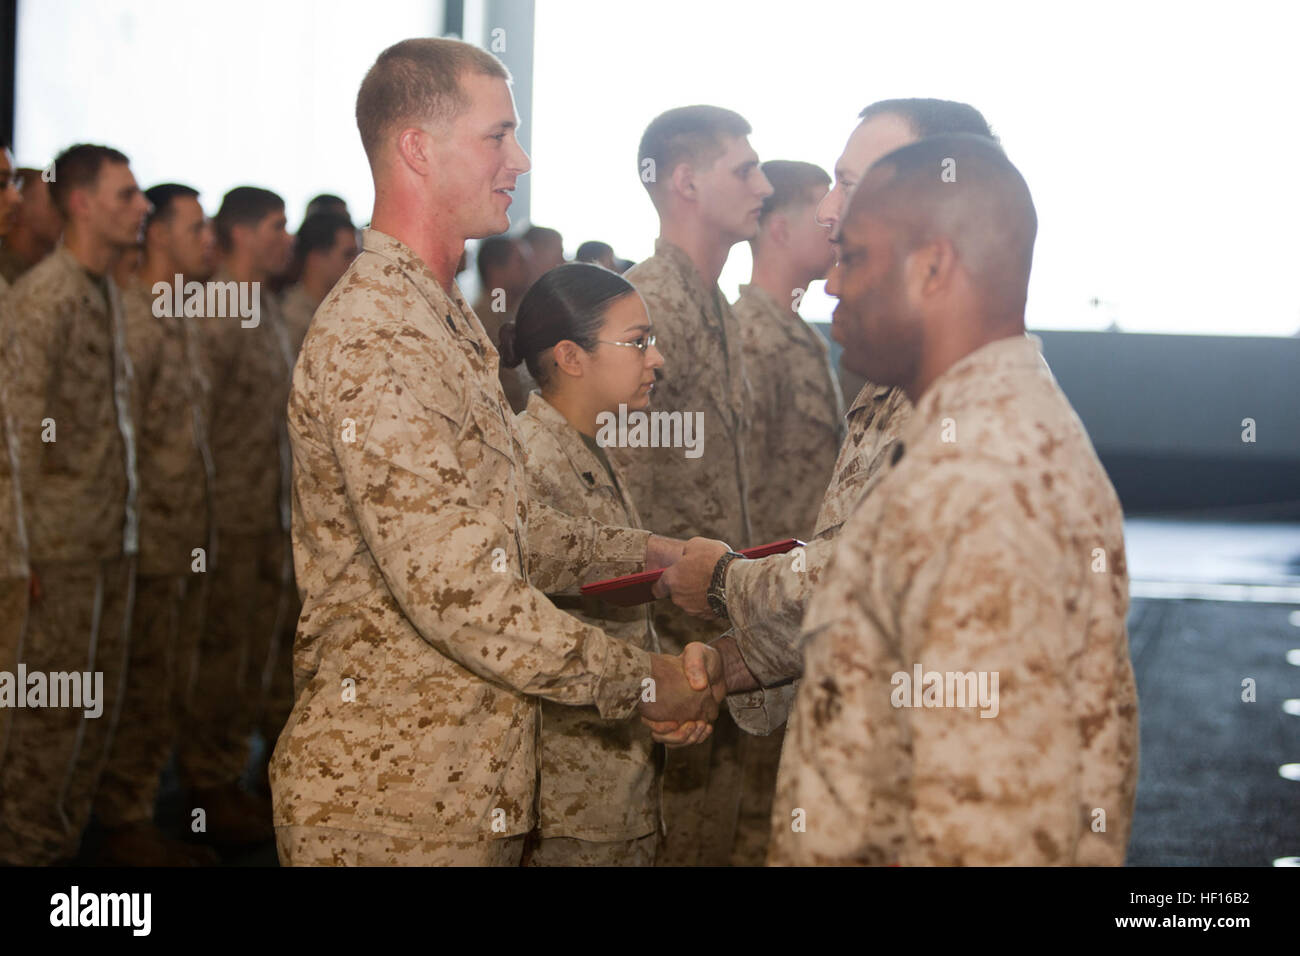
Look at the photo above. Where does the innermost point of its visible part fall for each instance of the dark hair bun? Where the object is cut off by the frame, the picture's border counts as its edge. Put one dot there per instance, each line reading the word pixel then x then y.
pixel 506 345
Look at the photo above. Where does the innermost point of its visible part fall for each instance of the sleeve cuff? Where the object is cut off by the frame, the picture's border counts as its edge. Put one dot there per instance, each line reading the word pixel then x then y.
pixel 618 689
pixel 762 712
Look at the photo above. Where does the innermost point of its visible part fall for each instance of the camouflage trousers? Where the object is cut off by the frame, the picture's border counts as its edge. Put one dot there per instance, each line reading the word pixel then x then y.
pixel 237 657
pixel 759 759
pixel 165 631
pixel 13 625
pixel 79 623
pixel 701 784
pixel 326 846
pixel 277 699
pixel 566 851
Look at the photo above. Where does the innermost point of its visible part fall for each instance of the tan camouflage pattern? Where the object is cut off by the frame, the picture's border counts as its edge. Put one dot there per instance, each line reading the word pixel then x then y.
pixel 13 626
pixel 247 372
pixel 66 360
pixel 767 598
pixel 166 622
pixel 759 758
pixel 225 695
pixel 566 851
pixel 171 433
pixel 397 529
pixel 703 371
pixel 246 375
pixel 11 266
pixel 297 307
pixel 324 846
pixel 968 555
pixel 798 416
pixel 55 756
pixel 600 778
pixel 13 532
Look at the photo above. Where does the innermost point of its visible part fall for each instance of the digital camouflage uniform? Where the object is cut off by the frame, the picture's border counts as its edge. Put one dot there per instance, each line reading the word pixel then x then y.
pixel 174 522
pixel 247 370
pixel 798 416
pixel 703 371
pixel 295 314
pixel 991 541
pixel 11 266
pixel 798 423
pixel 14 569
pixel 297 308
pixel 767 598
pixel 425 642
pixel 68 379
pixel 600 779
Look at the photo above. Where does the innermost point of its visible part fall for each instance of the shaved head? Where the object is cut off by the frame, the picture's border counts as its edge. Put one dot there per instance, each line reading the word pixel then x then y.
pixel 961 188
pixel 936 248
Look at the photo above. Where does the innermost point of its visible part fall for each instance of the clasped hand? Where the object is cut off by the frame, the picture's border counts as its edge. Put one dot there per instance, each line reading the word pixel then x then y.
pixel 687 692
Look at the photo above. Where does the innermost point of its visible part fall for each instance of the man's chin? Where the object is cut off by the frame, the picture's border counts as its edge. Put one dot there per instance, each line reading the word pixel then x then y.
pixel 496 228
pixel 863 366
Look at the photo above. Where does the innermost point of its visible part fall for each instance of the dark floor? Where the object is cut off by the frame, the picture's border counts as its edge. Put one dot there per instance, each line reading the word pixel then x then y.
pixel 1209 792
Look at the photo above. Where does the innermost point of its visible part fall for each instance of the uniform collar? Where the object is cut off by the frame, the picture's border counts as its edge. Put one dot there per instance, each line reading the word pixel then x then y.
pixel 788 320
pixel 450 304
pixel 72 265
pixel 584 461
pixel 676 257
pixel 968 379
pixel 870 394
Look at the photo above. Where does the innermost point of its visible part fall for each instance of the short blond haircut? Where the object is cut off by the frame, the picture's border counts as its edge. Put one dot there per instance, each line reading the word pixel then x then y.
pixel 418 79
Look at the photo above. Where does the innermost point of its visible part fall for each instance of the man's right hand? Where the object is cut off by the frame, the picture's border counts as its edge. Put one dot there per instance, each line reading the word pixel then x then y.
pixel 717 667
pixel 686 697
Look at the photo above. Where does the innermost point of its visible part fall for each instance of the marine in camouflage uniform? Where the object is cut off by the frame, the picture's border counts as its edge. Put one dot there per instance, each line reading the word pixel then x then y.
pixel 798 426
pixel 679 496
pixel 767 598
pixel 14 569
pixel 297 307
pixel 247 370
pixel 424 642
pixel 600 781
pixel 171 584
pixel 799 411
pixel 68 379
pixel 990 541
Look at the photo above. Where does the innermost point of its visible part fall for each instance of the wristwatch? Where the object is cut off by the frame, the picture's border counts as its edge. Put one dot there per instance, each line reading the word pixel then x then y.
pixel 718 585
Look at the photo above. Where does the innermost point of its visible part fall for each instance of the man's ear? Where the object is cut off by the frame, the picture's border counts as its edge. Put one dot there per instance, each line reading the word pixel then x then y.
pixel 415 147
pixel 568 357
pixel 933 266
pixel 777 227
pixel 683 181
pixel 78 202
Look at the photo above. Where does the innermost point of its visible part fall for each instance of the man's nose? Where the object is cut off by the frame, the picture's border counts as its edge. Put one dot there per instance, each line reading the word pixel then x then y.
pixel 833 280
pixel 519 161
pixel 828 210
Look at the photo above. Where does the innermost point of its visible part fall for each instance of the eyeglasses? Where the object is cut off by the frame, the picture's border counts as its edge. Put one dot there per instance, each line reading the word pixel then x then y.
pixel 641 344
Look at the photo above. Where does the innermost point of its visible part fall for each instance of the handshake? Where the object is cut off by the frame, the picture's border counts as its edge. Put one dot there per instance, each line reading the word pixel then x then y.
pixel 690 689
pixel 686 693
